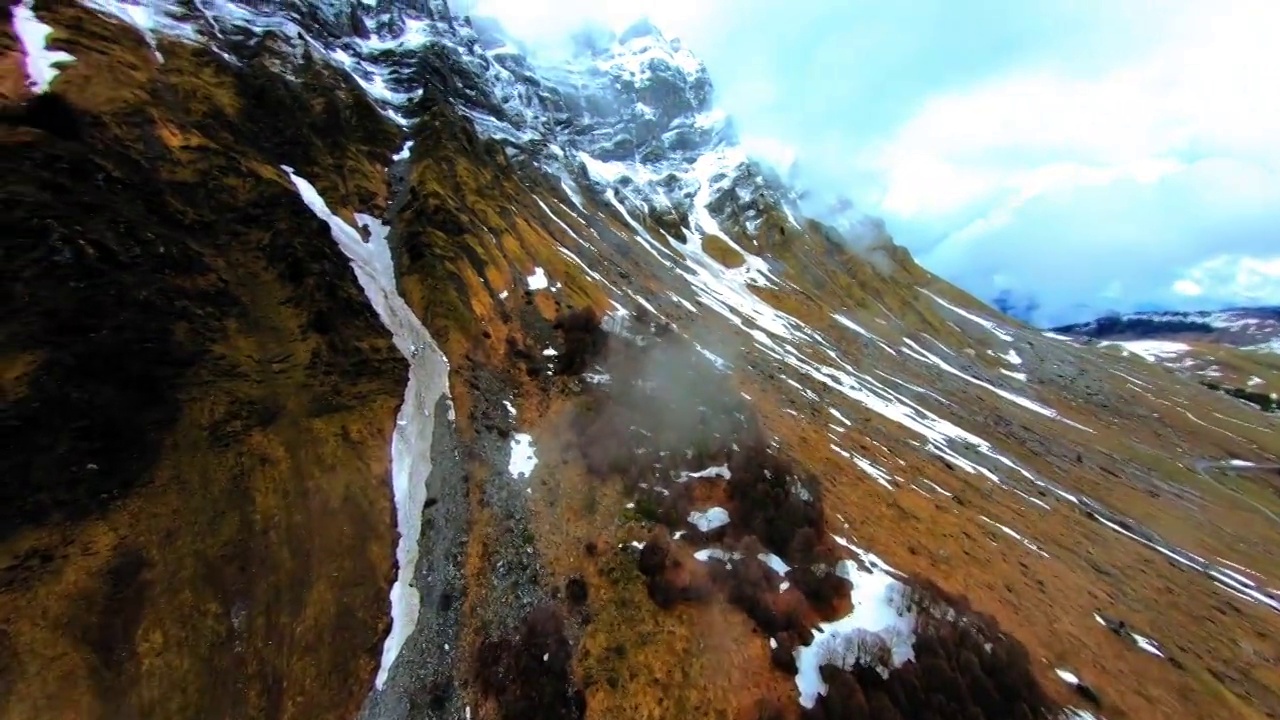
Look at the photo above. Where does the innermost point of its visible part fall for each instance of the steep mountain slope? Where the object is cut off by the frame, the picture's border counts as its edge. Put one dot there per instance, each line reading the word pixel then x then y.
pixel 694 456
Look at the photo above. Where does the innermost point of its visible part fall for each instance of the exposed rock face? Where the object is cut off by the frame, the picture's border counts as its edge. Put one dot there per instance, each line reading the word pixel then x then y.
pixel 234 466
pixel 203 413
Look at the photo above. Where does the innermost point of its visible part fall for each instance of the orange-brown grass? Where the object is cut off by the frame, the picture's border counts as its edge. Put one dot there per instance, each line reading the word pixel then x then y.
pixel 635 660
pixel 722 252
pixel 1048 602
pixel 760 498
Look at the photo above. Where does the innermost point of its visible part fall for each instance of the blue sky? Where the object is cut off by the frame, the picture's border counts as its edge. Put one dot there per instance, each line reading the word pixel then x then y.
pixel 1091 155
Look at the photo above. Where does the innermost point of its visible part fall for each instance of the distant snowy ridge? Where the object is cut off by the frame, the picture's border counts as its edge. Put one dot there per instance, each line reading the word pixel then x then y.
pixel 1249 328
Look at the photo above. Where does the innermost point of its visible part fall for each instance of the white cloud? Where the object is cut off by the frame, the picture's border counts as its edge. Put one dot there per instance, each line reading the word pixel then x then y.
pixel 1099 154
pixel 1251 279
pixel 1187 287
pixel 534 21
pixel 1043 177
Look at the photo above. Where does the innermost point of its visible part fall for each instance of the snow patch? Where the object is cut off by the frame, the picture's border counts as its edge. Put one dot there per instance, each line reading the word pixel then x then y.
pixel 988 324
pixel 538 280
pixel 725 556
pixel 523 459
pixel 34 35
pixel 428 383
pixel 879 615
pixel 1150 350
pixel 403 154
pixel 1011 533
pixel 775 563
pixel 721 471
pixel 709 520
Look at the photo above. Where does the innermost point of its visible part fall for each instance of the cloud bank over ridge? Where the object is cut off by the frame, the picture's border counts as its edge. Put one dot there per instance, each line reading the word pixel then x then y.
pixel 1079 156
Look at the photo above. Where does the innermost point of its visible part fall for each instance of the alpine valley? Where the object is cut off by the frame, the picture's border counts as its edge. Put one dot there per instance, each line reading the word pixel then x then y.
pixel 356 363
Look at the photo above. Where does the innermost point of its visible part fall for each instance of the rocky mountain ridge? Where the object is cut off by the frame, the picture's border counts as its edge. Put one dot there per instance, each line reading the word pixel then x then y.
pixel 1250 328
pixel 369 367
pixel 1234 350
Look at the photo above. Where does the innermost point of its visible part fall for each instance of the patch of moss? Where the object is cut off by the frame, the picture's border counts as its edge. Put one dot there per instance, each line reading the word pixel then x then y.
pixel 722 252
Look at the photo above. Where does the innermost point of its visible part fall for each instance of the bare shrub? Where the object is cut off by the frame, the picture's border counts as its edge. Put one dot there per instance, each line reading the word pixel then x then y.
pixel 530 676
pixel 850 650
pixel 584 341
pixel 669 578
pixel 769 710
pixel 964 667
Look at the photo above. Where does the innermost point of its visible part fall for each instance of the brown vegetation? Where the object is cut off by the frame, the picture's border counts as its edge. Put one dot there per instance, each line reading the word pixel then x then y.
pixel 722 252
pixel 583 338
pixel 964 667
pixel 530 676
pixel 208 417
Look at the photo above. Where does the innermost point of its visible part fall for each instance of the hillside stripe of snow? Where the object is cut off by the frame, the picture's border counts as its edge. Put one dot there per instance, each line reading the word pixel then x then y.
pixel 1270 346
pixel 688 305
pixel 879 399
pixel 917 388
pixel 1011 533
pixel 428 383
pixel 34 35
pixel 1226 582
pixel 646 240
pixel 988 324
pixel 865 465
pixel 862 331
pixel 144 15
pixel 1130 378
pixel 1214 427
pixel 559 222
pixel 1147 644
pixel 159 17
pixel 587 269
pixel 1013 397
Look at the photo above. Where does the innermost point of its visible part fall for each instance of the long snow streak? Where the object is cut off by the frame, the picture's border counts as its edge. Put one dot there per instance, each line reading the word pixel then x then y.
pixel 34 35
pixel 428 382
